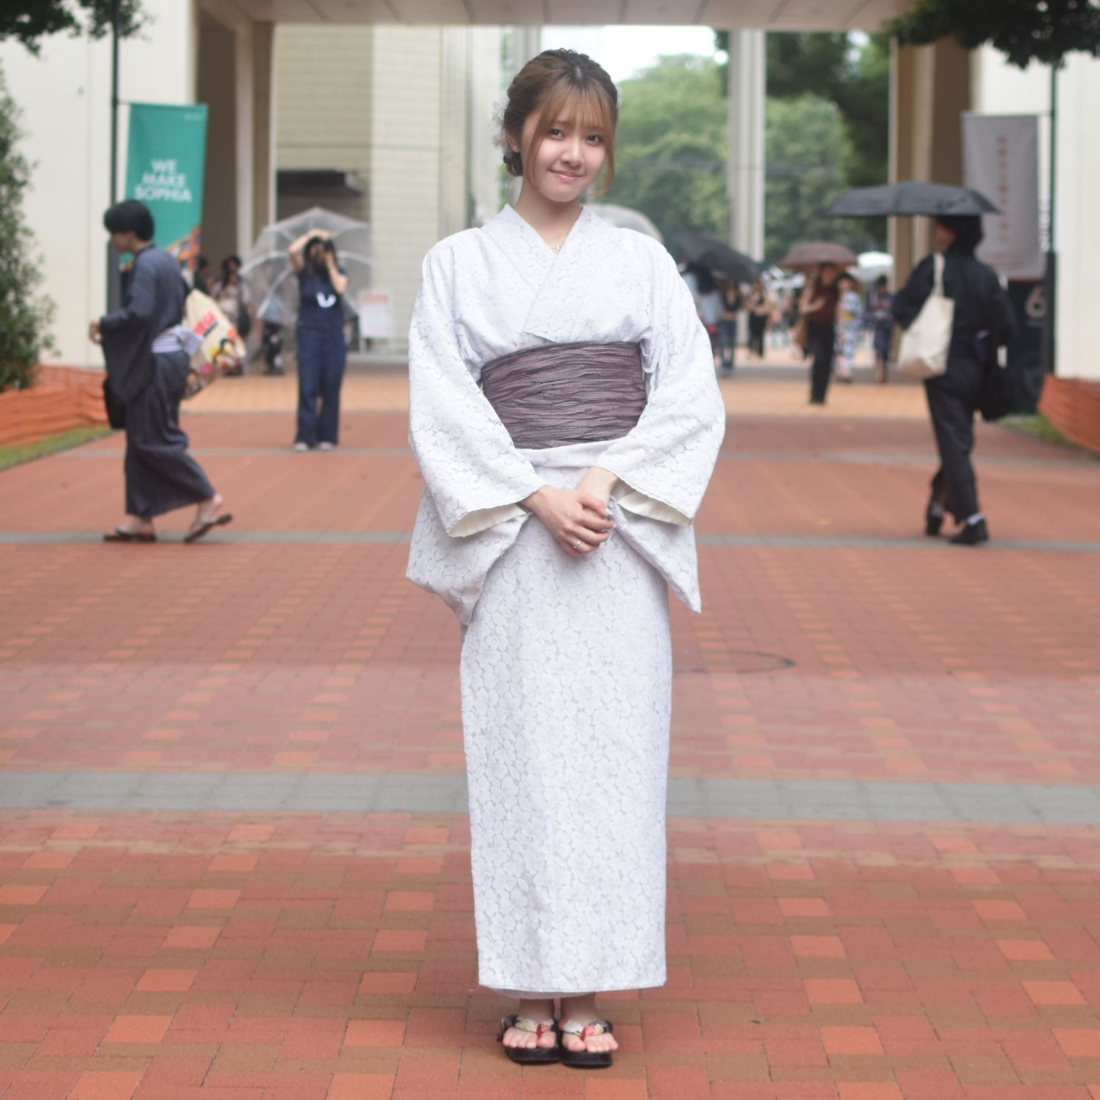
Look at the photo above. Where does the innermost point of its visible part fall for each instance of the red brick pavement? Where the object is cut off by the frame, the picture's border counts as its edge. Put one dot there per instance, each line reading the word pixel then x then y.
pixel 196 957
pixel 230 957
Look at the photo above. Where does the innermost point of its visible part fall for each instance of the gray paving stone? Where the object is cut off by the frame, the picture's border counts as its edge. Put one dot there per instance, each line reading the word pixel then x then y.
pixel 751 799
pixel 796 542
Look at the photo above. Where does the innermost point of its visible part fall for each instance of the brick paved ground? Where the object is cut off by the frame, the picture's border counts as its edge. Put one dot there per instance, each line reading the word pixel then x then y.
pixel 252 953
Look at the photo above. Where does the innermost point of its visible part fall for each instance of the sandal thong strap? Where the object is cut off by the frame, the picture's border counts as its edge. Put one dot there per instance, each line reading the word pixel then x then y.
pixel 525 1023
pixel 586 1031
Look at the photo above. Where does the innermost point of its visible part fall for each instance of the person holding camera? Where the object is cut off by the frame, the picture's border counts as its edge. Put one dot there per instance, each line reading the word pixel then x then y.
pixel 322 350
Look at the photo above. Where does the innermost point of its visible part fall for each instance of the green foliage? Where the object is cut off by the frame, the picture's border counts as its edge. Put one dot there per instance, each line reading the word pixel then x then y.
pixel 26 452
pixel 856 79
pixel 23 317
pixel 29 21
pixel 1023 30
pixel 670 145
pixel 805 149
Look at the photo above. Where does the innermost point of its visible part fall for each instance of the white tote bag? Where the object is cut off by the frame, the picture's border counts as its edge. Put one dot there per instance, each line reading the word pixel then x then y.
pixel 925 343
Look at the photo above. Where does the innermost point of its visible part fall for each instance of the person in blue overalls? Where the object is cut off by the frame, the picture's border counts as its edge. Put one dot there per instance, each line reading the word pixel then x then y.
pixel 322 349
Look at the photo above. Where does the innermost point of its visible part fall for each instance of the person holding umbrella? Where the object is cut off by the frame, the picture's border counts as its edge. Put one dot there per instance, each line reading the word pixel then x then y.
pixel 322 349
pixel 983 322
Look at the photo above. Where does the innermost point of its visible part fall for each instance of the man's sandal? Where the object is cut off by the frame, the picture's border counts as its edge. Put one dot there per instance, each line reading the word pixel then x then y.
pixel 530 1056
pixel 585 1059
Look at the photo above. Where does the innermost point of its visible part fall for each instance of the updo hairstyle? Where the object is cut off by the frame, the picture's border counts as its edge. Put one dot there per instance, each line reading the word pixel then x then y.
pixel 560 84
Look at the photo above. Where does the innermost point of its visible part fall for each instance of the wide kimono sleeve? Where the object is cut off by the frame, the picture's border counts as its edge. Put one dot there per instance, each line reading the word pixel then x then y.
pixel 127 333
pixel 474 474
pixel 665 461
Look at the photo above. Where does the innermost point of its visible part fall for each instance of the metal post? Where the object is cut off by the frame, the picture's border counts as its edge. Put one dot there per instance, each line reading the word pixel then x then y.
pixel 114 280
pixel 1051 281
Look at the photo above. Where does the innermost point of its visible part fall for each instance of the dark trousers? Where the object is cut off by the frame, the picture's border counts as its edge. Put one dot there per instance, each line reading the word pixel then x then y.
pixel 727 345
pixel 758 325
pixel 322 357
pixel 160 474
pixel 952 399
pixel 821 344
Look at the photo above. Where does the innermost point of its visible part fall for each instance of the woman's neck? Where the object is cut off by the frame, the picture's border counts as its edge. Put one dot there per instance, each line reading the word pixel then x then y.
pixel 551 220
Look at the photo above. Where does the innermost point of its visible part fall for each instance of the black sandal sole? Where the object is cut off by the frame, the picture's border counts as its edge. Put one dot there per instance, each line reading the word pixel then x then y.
pixel 533 1056
pixel 201 530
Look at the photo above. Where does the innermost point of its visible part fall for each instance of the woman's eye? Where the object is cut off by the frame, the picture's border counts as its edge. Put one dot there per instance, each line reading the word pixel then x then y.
pixel 595 139
pixel 555 132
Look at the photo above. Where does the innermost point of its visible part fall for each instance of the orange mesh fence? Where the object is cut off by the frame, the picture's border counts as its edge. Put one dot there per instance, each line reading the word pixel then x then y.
pixel 1073 407
pixel 62 398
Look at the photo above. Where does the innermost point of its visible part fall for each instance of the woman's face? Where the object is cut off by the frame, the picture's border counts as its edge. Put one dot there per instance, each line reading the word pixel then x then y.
pixel 942 237
pixel 827 274
pixel 568 160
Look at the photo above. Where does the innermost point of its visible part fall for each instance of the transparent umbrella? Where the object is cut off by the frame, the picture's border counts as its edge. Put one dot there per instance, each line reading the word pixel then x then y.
pixel 622 217
pixel 271 279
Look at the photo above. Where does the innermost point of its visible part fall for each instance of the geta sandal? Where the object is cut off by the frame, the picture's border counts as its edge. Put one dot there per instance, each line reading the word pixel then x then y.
pixel 125 534
pixel 585 1059
pixel 530 1056
pixel 201 526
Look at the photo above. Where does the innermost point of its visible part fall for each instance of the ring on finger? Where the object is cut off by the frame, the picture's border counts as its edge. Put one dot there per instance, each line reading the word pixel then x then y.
pixel 578 544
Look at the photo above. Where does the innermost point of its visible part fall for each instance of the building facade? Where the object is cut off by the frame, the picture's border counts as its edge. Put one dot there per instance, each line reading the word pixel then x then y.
pixel 402 112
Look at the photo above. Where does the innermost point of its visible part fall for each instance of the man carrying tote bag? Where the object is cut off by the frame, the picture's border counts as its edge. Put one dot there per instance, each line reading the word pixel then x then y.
pixel 956 315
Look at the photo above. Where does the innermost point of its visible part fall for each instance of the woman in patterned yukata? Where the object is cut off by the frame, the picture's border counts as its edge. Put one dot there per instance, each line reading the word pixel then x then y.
pixel 566 418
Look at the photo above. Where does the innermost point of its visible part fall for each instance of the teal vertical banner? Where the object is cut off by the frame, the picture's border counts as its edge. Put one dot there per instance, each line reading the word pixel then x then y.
pixel 165 157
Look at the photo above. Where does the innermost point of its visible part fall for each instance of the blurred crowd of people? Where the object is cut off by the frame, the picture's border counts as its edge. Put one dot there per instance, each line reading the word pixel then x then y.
pixel 826 320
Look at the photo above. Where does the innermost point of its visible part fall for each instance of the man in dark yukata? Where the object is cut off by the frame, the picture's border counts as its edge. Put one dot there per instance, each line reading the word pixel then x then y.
pixel 148 352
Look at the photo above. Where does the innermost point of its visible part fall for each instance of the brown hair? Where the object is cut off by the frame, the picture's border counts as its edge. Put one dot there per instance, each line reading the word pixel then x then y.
pixel 551 84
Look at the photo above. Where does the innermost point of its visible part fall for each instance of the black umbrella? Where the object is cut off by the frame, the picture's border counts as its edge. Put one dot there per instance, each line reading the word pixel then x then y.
pixel 909 197
pixel 706 250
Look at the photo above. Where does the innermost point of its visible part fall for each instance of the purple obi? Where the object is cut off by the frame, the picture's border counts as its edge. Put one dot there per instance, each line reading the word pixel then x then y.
pixel 559 394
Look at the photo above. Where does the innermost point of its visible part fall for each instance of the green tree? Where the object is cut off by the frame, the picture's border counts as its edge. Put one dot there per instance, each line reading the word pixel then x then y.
pixel 29 21
pixel 804 173
pixel 670 145
pixel 856 77
pixel 24 318
pixel 1023 30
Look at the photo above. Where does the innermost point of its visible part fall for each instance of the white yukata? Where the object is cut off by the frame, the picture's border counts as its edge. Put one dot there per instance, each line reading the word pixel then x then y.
pixel 566 663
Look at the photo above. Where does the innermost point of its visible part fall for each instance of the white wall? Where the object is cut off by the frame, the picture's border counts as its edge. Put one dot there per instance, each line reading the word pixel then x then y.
pixel 1000 88
pixel 425 104
pixel 1078 218
pixel 65 96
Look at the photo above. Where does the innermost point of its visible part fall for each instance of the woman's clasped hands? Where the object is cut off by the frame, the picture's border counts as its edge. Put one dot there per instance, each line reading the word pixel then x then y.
pixel 577 518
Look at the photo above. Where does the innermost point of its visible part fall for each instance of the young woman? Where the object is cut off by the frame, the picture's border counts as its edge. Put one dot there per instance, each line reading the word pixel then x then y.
pixel 760 307
pixel 818 305
pixel 566 418
pixel 230 291
pixel 322 348
pixel 732 304
pixel 849 313
pixel 879 318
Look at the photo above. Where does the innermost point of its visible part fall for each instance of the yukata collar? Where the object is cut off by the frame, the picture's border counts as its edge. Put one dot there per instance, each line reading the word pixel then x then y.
pixel 559 280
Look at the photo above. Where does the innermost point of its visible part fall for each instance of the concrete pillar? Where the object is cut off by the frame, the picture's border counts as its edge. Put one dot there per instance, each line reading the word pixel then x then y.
pixel 243 108
pixel 263 126
pixel 216 86
pixel 745 169
pixel 930 91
